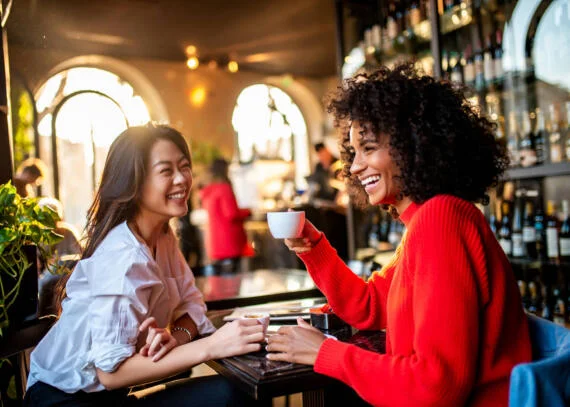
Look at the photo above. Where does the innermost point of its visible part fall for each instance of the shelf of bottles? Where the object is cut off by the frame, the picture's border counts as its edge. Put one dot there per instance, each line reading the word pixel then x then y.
pixel 532 118
pixel 537 243
pixel 535 129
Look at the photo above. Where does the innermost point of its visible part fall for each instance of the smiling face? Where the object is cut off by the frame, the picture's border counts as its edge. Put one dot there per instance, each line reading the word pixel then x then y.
pixel 167 184
pixel 373 165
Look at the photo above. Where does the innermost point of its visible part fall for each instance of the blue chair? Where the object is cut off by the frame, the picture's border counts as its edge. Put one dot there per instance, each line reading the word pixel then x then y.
pixel 546 380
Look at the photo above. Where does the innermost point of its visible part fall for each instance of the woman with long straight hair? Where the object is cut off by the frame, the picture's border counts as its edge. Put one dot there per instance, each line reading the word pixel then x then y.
pixel 132 313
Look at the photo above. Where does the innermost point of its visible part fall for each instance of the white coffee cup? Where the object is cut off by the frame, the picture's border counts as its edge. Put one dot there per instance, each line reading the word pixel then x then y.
pixel 286 225
pixel 262 318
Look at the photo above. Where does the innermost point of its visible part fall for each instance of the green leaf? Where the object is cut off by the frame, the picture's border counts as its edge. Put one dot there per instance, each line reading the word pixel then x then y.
pixel 22 222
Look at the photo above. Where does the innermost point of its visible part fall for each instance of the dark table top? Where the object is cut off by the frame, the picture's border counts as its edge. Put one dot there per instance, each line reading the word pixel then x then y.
pixel 230 290
pixel 262 378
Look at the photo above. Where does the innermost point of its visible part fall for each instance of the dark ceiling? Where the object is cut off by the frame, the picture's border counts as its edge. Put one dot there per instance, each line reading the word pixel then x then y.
pixel 267 36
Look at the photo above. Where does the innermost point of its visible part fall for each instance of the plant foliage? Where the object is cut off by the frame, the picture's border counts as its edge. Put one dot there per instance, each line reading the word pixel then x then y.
pixel 22 222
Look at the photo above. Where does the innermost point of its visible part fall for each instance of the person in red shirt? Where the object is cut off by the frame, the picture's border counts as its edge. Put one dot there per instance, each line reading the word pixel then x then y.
pixel 226 240
pixel 449 302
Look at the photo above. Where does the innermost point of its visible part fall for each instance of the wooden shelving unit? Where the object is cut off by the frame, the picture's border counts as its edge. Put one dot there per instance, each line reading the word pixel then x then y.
pixel 539 171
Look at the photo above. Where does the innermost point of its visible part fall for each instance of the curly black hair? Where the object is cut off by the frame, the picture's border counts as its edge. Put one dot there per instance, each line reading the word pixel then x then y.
pixel 440 144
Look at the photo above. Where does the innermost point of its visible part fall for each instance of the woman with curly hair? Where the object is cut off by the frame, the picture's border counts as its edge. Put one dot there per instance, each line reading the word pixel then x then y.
pixel 448 300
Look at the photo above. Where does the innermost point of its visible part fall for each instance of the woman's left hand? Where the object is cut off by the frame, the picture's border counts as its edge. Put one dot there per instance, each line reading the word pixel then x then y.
pixel 297 344
pixel 159 341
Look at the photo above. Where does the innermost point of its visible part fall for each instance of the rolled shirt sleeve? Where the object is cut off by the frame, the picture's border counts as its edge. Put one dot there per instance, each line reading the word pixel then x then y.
pixel 120 302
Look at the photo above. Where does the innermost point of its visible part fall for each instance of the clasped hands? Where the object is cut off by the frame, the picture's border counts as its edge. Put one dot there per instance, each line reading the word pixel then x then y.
pixel 234 338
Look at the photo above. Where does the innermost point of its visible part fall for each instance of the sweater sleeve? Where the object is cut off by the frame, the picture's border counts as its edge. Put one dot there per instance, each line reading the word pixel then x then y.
pixel 440 369
pixel 354 301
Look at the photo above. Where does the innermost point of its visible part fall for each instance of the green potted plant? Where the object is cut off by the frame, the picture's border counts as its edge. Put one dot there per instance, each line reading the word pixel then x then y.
pixel 25 229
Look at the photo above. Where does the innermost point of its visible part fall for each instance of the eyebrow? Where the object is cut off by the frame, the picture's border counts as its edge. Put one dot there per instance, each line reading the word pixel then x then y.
pixel 166 162
pixel 367 137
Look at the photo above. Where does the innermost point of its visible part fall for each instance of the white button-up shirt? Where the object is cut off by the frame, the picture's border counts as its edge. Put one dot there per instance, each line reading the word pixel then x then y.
pixel 108 296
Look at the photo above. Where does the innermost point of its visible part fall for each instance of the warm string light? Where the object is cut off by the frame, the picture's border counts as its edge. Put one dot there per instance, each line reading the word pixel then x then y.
pixel 193 62
pixel 233 66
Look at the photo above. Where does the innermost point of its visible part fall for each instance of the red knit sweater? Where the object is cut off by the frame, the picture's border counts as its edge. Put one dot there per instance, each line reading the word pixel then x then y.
pixel 450 305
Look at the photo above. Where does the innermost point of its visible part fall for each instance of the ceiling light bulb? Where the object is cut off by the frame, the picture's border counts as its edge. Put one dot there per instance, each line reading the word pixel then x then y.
pixel 233 66
pixel 191 50
pixel 192 62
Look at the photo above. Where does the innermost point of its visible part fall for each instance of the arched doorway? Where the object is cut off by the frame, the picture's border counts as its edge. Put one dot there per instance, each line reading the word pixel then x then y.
pixel 269 126
pixel 81 110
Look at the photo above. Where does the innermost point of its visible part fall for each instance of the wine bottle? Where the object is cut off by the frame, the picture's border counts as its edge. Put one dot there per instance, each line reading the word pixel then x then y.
pixel 540 137
pixel 535 303
pixel 564 237
pixel 546 311
pixel 555 138
pixel 517 234
pixel 415 13
pixel 523 289
pixel 479 69
pixel 551 231
pixel 445 71
pixel 540 229
pixel 498 58
pixel 513 138
pixel 469 69
pixel 529 232
pixel 489 63
pixel 527 153
pixel 456 69
pixel 505 238
pixel 559 312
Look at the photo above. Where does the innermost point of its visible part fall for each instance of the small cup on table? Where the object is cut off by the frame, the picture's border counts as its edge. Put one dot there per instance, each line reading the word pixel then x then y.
pixel 262 318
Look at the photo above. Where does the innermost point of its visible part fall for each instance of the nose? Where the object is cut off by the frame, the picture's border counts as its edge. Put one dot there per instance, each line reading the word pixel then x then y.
pixel 180 177
pixel 357 165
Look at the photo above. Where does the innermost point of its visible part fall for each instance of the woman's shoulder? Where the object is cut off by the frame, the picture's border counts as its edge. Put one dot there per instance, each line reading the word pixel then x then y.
pixel 120 244
pixel 448 211
pixel 450 205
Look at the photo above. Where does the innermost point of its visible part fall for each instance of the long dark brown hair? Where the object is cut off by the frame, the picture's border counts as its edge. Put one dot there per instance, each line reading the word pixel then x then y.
pixel 117 197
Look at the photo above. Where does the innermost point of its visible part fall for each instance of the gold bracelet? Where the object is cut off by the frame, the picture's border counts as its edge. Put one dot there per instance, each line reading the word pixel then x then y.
pixel 182 329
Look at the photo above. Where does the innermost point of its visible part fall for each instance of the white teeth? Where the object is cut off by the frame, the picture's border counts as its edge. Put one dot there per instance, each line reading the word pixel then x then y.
pixel 176 196
pixel 370 180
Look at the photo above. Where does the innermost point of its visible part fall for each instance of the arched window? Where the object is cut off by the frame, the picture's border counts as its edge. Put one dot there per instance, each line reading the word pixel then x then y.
pixel 80 112
pixel 270 126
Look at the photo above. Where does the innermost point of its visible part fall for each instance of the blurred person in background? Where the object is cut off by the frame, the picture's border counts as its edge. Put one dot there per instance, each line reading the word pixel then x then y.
pixel 226 239
pixel 449 302
pixel 324 177
pixel 29 175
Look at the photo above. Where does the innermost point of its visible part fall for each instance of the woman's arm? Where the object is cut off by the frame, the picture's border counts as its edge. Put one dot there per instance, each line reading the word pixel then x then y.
pixel 234 338
pixel 440 367
pixel 184 322
pixel 360 304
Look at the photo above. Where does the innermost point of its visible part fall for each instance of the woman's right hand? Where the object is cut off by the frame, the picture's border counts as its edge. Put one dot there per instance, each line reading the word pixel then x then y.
pixel 310 236
pixel 236 338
